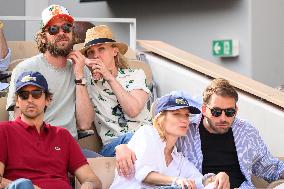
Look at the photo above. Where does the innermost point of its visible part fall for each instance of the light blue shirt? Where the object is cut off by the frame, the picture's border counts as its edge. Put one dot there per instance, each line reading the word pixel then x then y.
pixel 4 63
pixel 253 155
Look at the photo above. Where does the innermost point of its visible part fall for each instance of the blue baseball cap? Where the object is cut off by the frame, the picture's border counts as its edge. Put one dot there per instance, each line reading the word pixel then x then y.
pixel 174 101
pixel 31 78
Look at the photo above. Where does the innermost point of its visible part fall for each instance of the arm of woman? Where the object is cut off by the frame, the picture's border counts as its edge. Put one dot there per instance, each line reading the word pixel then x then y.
pixel 155 178
pixel 133 100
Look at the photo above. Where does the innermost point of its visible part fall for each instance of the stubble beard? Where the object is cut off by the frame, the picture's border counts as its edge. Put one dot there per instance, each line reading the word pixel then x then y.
pixel 216 129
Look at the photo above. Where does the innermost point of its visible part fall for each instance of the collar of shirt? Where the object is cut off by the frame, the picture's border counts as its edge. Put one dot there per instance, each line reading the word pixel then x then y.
pixel 45 127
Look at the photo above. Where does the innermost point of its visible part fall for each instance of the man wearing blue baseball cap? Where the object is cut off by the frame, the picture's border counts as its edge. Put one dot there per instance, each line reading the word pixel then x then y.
pixel 35 150
pixel 64 70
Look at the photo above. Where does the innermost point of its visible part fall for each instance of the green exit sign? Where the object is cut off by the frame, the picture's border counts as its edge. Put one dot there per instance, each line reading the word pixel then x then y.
pixel 225 48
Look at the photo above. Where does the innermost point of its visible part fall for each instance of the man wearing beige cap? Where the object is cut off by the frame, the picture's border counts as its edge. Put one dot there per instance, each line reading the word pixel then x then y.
pixel 63 69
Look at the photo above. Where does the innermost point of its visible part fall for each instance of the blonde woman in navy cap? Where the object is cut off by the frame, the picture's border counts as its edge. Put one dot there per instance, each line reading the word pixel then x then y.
pixel 158 162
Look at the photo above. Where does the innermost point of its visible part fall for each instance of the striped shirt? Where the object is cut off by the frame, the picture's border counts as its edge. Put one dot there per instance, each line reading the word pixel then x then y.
pixel 253 155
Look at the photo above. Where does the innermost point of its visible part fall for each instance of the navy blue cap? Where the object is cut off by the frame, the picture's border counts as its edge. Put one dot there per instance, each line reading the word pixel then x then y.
pixel 31 78
pixel 174 101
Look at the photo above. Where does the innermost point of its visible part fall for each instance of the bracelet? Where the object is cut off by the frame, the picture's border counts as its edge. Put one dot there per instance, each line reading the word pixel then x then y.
pixel 1 25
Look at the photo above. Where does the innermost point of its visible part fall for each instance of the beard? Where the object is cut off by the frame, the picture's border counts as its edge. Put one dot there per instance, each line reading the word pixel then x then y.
pixel 56 50
pixel 218 130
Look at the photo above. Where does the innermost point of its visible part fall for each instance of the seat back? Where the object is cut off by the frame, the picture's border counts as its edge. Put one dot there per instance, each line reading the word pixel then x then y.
pixel 104 168
pixel 22 49
pixel 136 64
pixel 4 116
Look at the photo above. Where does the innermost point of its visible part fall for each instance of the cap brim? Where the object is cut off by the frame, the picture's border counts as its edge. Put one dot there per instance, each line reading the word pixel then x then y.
pixel 192 109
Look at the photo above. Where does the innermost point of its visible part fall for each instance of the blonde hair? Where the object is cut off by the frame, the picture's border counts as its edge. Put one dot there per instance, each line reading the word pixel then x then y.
pixel 158 121
pixel 120 60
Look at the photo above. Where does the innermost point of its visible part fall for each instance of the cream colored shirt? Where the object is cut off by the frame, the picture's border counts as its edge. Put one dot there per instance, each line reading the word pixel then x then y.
pixel 110 120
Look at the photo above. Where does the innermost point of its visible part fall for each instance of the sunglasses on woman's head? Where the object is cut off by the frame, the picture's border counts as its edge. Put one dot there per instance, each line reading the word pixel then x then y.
pixel 217 112
pixel 54 29
pixel 36 94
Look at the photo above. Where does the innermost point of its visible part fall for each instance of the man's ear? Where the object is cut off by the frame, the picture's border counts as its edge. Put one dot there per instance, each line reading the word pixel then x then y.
pixel 48 101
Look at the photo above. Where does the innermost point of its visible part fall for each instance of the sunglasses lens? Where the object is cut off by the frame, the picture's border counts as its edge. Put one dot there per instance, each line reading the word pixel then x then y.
pixel 53 30
pixel 24 95
pixel 66 28
pixel 230 112
pixel 36 94
pixel 216 112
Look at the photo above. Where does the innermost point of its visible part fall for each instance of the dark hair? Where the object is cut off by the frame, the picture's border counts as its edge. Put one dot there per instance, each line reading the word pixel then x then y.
pixel 80 28
pixel 220 87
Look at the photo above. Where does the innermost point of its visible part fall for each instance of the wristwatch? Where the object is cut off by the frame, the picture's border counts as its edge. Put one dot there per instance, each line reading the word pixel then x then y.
pixel 82 81
pixel 1 25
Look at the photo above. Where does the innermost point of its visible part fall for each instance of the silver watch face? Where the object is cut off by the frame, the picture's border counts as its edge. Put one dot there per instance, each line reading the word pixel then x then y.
pixel 84 81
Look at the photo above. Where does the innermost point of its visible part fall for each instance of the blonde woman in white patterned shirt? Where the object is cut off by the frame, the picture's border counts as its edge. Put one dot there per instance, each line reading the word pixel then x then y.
pixel 119 93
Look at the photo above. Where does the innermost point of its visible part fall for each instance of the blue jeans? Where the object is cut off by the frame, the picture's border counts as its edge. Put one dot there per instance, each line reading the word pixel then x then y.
pixel 21 184
pixel 90 154
pixel 108 150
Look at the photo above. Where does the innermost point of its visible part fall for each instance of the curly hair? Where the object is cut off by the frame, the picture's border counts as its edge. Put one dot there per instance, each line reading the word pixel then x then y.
pixel 41 41
pixel 220 87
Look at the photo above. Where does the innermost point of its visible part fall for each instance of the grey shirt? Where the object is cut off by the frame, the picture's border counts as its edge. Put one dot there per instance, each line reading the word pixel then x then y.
pixel 61 111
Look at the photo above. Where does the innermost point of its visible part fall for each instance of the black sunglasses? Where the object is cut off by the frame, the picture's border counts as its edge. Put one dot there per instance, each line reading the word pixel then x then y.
pixel 216 112
pixel 54 29
pixel 36 94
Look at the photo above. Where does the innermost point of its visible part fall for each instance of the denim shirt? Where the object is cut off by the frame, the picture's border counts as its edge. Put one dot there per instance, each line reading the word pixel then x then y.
pixel 253 155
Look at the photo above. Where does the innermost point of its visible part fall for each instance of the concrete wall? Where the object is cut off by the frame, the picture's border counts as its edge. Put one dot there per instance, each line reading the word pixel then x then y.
pixel 14 30
pixel 192 25
pixel 187 24
pixel 268 41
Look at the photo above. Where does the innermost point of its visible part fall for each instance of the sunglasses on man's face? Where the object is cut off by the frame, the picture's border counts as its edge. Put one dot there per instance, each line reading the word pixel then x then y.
pixel 36 94
pixel 54 29
pixel 217 112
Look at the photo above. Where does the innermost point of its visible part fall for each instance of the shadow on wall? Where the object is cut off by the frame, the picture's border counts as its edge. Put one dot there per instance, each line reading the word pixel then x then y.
pixel 131 8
